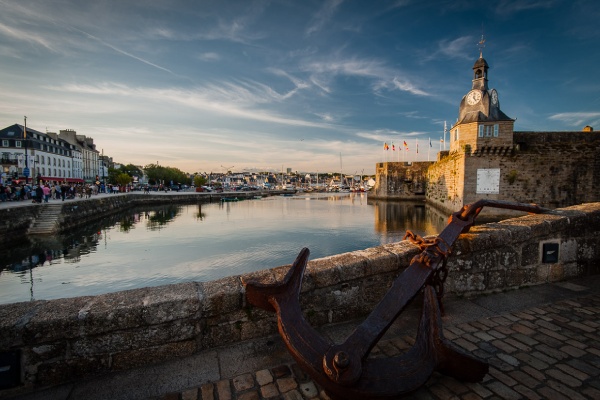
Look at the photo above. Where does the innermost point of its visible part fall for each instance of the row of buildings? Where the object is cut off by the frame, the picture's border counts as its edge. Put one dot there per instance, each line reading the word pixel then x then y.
pixel 27 155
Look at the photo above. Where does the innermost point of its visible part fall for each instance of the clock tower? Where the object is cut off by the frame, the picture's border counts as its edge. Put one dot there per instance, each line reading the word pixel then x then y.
pixel 481 127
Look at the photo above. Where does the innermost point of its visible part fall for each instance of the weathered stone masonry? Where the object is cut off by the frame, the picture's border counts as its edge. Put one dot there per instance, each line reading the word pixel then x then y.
pixel 63 340
pixel 552 169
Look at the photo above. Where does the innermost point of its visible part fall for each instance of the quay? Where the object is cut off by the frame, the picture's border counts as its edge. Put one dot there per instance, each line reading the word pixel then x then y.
pixel 21 218
pixel 541 343
pixel 535 321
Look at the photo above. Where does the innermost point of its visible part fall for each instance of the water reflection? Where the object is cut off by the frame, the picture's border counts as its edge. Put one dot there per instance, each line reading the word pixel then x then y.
pixel 397 217
pixel 158 245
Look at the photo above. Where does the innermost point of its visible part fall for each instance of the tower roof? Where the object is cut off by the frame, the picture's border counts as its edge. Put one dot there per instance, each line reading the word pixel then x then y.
pixel 481 63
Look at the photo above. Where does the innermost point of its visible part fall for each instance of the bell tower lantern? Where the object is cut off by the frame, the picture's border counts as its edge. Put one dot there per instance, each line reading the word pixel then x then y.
pixel 481 127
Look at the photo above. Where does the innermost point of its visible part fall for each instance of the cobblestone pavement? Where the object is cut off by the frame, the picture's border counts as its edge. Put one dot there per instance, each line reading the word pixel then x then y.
pixel 546 351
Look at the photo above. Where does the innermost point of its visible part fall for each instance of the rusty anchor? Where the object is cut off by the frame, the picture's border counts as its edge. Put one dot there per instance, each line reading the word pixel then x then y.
pixel 344 370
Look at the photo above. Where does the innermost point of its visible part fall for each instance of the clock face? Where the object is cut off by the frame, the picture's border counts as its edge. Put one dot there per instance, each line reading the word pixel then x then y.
pixel 473 97
pixel 494 97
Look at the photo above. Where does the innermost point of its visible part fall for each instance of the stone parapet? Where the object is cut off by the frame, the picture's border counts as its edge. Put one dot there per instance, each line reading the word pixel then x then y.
pixel 59 341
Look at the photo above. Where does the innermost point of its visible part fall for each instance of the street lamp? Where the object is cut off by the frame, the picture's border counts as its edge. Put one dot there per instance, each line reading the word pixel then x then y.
pixel 26 171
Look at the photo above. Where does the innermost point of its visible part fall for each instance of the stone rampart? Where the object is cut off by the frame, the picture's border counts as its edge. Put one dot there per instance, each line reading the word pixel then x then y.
pixel 400 181
pixel 63 340
pixel 552 169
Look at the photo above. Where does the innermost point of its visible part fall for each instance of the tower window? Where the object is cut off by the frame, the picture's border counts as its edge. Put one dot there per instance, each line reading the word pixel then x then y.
pixel 456 134
pixel 496 128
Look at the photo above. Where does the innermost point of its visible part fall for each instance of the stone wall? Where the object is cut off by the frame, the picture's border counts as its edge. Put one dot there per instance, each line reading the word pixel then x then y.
pixel 15 221
pixel 400 180
pixel 63 340
pixel 552 169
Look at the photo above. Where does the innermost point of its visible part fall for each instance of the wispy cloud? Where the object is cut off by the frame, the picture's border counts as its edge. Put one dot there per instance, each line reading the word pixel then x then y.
pixel 210 56
pixel 323 15
pixel 514 6
pixel 461 47
pixel 579 119
pixel 123 52
pixel 234 100
pixel 24 35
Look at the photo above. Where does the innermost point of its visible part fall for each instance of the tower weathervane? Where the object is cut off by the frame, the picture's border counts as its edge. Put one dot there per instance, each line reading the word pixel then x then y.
pixel 481 43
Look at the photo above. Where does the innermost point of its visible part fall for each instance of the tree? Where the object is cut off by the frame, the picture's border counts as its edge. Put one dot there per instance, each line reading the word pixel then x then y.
pixel 158 174
pixel 199 180
pixel 123 179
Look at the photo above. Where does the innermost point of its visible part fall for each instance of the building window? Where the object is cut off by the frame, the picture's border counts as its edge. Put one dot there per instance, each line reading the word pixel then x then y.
pixel 488 131
pixel 456 134
pixel 480 131
pixel 18 143
pixel 496 128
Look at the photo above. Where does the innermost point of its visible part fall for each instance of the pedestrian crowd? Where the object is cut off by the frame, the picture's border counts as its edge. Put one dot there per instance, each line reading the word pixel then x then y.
pixel 43 192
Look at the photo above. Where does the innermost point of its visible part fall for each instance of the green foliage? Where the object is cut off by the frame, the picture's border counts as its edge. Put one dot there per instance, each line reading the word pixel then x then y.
pixel 199 180
pixel 512 176
pixel 160 174
pixel 123 179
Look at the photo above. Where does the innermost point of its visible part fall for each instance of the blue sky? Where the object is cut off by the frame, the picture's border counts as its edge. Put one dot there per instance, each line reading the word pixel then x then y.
pixel 202 85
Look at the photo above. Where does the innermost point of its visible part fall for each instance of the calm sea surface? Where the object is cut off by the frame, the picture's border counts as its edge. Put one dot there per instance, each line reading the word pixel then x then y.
pixel 170 244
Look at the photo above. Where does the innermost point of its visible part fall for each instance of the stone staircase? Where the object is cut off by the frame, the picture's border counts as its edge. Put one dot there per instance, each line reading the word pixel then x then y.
pixel 46 222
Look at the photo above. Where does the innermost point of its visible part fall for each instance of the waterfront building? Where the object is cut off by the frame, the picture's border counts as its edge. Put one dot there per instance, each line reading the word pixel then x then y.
pixel 49 158
pixel 89 155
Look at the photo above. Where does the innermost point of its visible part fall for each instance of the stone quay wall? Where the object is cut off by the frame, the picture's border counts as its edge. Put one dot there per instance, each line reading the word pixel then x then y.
pixel 15 221
pixel 400 180
pixel 58 341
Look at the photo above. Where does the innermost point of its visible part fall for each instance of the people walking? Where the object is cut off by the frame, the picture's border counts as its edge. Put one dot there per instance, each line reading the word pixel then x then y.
pixel 39 194
pixel 46 192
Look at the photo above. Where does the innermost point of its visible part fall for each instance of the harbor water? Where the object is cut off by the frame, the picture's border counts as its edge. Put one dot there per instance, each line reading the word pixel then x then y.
pixel 169 244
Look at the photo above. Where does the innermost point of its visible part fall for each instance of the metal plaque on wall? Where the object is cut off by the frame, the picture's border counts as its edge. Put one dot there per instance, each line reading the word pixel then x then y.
pixel 488 180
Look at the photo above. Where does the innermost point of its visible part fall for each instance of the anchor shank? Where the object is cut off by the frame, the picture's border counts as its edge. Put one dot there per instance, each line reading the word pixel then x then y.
pixel 404 288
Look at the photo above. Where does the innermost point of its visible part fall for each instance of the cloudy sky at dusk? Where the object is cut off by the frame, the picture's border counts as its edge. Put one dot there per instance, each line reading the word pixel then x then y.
pixel 202 85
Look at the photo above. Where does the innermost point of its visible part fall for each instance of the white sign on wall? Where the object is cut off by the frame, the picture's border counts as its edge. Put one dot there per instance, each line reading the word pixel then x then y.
pixel 488 181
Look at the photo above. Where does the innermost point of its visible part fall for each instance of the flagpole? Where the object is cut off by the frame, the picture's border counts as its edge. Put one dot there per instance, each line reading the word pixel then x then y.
pixel 416 149
pixel 445 130
pixel 429 150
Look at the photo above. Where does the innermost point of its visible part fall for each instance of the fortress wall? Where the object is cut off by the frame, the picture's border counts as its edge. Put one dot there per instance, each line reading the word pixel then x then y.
pixel 445 188
pixel 400 180
pixel 552 169
pixel 60 341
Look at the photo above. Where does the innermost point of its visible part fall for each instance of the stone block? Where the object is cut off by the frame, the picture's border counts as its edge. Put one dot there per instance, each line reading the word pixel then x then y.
pixel 221 296
pixel 323 272
pixel 145 336
pixel 171 302
pixel 378 260
pixel 151 355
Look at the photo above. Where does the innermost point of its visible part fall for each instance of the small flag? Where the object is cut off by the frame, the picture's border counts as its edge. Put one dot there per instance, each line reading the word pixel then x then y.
pixel 405 145
pixel 385 146
pixel 393 147
pixel 430 145
pixel 442 140
pixel 417 148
